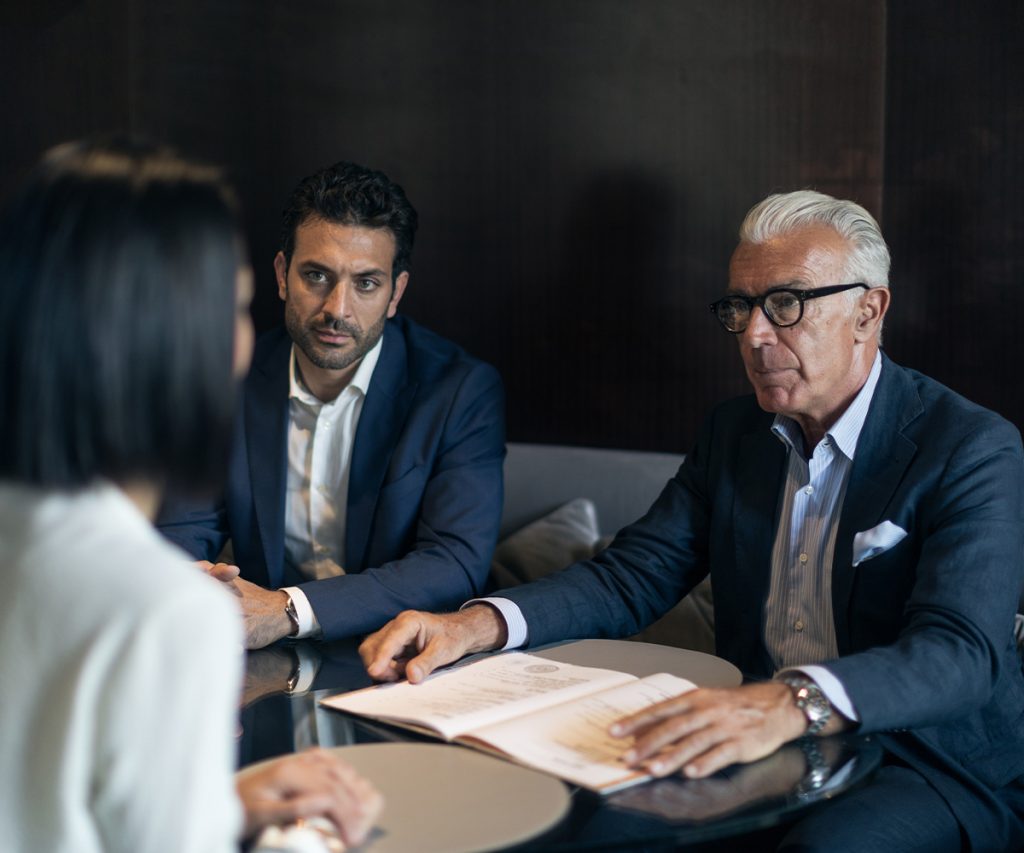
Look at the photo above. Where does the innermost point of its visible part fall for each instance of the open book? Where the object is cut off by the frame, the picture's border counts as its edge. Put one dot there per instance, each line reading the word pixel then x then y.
pixel 541 713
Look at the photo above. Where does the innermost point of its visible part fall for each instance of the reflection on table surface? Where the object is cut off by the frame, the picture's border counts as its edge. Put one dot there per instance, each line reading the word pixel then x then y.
pixel 660 814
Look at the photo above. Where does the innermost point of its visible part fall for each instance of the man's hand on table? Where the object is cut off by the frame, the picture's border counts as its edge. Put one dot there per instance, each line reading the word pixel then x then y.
pixel 414 644
pixel 707 729
pixel 310 784
pixel 263 610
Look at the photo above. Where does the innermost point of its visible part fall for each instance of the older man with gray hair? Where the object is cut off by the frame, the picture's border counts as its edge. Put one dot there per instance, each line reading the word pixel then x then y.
pixel 862 525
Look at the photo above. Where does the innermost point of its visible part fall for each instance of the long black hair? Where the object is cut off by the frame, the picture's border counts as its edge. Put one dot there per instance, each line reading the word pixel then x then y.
pixel 118 264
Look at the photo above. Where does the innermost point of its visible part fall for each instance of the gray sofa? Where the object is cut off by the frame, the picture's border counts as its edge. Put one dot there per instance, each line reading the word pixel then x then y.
pixel 563 503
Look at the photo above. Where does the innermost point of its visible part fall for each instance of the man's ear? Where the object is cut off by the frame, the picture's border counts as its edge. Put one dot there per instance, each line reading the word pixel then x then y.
pixel 396 294
pixel 281 272
pixel 871 312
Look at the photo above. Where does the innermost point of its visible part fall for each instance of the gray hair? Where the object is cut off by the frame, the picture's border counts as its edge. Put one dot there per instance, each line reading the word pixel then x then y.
pixel 785 212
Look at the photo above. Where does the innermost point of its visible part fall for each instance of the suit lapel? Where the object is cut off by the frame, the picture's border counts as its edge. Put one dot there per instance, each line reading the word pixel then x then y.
pixel 881 459
pixel 761 467
pixel 384 414
pixel 266 429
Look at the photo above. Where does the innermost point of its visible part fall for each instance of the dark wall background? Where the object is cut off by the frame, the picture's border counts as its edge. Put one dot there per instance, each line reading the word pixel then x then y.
pixel 954 195
pixel 581 166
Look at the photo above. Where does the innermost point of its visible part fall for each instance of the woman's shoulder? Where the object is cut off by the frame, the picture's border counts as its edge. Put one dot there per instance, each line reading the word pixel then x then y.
pixel 92 550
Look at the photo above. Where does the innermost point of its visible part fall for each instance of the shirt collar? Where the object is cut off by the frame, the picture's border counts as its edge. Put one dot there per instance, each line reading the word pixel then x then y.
pixel 297 389
pixel 846 431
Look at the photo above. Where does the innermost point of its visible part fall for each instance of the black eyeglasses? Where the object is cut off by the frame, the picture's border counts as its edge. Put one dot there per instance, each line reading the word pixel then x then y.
pixel 783 306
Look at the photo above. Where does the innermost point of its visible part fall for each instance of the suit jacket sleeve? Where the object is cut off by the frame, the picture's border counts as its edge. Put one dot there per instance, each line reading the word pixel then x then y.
pixel 647 569
pixel 457 527
pixel 199 527
pixel 199 530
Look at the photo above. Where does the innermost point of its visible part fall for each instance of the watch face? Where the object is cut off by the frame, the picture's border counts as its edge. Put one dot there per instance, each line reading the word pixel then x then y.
pixel 814 705
pixel 811 701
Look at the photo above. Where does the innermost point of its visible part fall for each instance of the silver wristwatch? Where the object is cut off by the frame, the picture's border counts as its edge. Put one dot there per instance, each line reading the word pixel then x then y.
pixel 293 617
pixel 818 769
pixel 810 700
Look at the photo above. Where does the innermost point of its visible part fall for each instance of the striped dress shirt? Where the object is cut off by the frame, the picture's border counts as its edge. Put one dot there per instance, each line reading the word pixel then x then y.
pixel 798 628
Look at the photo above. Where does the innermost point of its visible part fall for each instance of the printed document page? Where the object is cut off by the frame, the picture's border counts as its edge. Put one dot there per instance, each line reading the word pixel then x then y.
pixel 572 741
pixel 479 694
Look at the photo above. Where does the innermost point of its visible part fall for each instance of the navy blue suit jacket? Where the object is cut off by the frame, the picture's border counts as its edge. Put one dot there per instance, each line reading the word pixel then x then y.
pixel 924 630
pixel 425 487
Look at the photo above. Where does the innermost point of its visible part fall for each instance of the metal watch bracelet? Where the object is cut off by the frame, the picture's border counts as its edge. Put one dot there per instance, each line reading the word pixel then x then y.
pixel 811 701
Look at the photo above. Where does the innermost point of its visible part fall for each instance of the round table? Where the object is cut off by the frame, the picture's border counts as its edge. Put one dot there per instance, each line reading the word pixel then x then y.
pixel 662 814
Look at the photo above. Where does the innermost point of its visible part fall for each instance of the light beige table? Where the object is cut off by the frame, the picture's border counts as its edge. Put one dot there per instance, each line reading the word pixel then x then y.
pixel 643 659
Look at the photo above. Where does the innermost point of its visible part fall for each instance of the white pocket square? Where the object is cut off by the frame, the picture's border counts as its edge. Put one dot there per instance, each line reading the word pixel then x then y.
pixel 876 541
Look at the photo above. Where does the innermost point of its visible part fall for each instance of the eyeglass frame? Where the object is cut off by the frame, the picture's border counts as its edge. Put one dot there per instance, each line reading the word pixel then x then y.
pixel 802 296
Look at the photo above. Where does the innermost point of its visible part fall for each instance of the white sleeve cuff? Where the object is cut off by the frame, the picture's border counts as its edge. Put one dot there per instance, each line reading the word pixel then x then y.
pixel 308 625
pixel 831 686
pixel 515 624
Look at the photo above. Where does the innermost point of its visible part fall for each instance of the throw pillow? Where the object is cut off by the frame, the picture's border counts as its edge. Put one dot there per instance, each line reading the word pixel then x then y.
pixel 564 536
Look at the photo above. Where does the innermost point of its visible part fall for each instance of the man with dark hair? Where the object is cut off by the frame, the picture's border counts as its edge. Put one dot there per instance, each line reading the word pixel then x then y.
pixel 366 475
pixel 862 526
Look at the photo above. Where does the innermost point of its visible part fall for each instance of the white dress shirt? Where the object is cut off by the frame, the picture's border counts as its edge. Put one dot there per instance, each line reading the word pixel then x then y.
pixel 799 631
pixel 320 439
pixel 120 673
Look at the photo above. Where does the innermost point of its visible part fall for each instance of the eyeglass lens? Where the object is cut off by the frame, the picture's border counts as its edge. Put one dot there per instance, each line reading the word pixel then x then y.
pixel 782 307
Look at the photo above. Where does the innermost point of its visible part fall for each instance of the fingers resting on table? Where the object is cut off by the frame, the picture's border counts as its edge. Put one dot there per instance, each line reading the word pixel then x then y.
pixel 707 729
pixel 414 644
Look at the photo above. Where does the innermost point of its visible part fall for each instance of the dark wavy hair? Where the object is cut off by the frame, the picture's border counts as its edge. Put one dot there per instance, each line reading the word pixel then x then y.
pixel 349 194
pixel 118 263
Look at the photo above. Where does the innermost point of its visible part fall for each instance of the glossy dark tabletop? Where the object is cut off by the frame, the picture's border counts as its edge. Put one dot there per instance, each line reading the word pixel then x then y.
pixel 659 815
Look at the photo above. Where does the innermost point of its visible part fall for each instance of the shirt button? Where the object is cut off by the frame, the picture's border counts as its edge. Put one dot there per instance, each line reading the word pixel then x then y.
pixel 326 424
pixel 809 490
pixel 798 625
pixel 803 558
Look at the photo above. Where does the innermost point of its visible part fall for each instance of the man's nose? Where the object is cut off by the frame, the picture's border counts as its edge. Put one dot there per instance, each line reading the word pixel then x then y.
pixel 760 330
pixel 339 301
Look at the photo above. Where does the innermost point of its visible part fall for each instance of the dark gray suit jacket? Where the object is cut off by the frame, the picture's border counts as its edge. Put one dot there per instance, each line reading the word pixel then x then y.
pixel 924 630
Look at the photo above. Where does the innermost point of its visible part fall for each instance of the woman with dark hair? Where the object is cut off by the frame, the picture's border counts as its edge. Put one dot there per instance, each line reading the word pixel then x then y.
pixel 122 276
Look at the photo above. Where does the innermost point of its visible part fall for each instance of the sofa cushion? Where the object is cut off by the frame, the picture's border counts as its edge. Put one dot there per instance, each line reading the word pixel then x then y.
pixel 621 483
pixel 561 537
pixel 572 533
pixel 688 625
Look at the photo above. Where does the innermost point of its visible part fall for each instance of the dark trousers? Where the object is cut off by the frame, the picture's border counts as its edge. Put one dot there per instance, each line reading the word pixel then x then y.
pixel 897 812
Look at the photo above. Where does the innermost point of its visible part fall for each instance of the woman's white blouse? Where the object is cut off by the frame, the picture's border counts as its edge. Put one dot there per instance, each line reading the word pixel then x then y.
pixel 120 672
